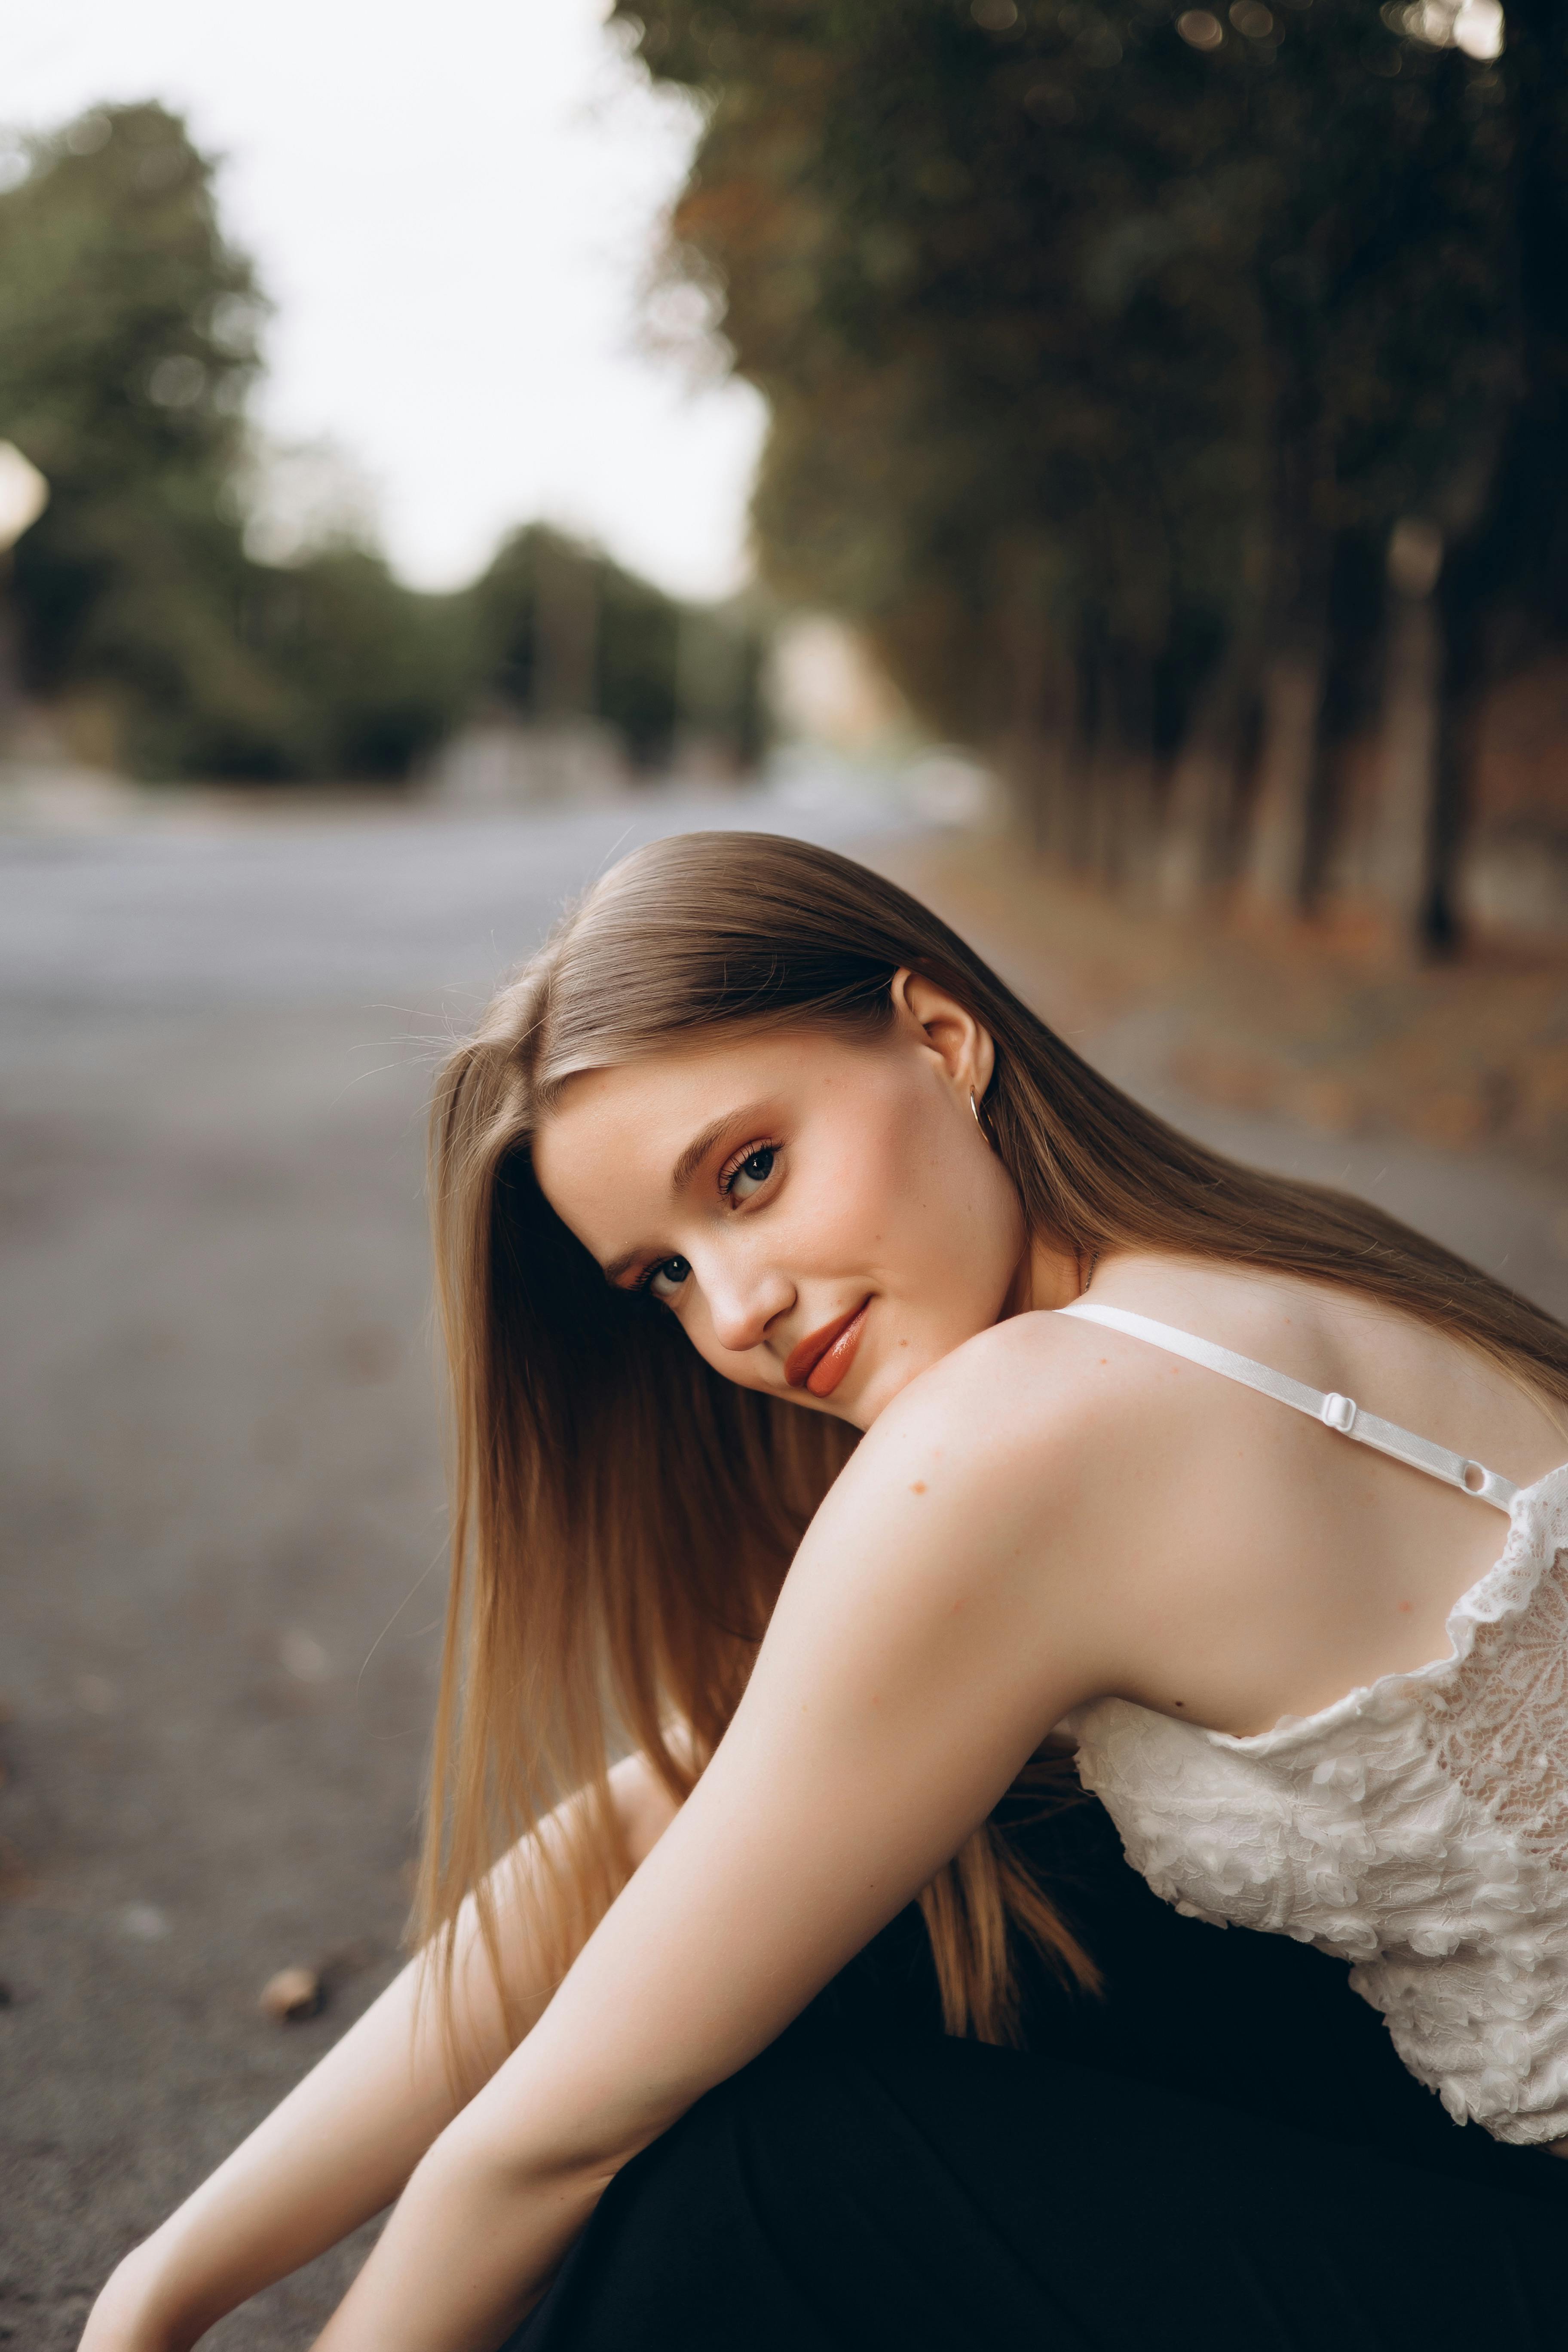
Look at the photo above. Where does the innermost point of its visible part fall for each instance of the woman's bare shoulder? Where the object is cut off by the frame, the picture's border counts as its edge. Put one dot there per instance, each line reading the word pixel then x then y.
pixel 1018 1367
pixel 972 1508
pixel 1034 1409
pixel 1052 1413
pixel 1026 1366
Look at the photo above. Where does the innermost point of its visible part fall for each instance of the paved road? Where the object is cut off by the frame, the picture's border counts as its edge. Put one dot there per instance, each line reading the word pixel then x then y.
pixel 222 1504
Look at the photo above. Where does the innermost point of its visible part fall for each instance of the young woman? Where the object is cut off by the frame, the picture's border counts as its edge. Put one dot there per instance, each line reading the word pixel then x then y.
pixel 858 1403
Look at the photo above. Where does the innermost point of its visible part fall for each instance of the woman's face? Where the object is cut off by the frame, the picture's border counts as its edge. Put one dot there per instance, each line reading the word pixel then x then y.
pixel 822 1215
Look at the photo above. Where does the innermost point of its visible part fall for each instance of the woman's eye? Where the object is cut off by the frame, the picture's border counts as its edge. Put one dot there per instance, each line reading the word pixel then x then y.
pixel 665 1278
pixel 753 1170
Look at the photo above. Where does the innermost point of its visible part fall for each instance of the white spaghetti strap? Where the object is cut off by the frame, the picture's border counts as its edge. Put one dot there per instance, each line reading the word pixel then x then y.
pixel 1335 1412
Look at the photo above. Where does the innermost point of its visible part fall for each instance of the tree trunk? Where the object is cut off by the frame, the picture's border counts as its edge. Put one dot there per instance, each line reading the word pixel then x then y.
pixel 1085 813
pixel 1439 929
pixel 1289 777
pixel 1515 565
pixel 1030 760
pixel 1298 566
pixel 10 656
pixel 1196 853
pixel 1034 748
pixel 1532 504
pixel 566 625
pixel 1128 731
pixel 1410 732
pixel 1033 698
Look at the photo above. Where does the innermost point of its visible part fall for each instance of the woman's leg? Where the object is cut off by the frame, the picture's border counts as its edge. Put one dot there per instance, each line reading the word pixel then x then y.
pixel 940 2194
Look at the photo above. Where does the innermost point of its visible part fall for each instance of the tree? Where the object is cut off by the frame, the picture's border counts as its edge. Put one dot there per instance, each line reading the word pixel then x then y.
pixel 373 675
pixel 128 341
pixel 1107 346
pixel 561 632
pixel 1504 591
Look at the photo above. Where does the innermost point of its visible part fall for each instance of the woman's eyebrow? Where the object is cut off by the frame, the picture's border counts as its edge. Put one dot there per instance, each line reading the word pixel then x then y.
pixel 697 1151
pixel 685 1168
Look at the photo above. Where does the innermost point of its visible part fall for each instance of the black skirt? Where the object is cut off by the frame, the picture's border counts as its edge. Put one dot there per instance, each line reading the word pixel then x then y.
pixel 1223 2150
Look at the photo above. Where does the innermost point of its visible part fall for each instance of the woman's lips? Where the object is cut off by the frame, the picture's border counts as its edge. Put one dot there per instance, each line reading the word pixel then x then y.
pixel 820 1361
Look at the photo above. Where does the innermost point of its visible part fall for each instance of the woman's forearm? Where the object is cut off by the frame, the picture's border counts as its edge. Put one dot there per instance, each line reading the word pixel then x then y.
pixel 337 2150
pixel 492 2209
pixel 471 2247
pixel 342 2145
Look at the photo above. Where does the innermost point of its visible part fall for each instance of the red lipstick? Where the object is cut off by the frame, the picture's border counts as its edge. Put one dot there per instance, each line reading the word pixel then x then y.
pixel 820 1361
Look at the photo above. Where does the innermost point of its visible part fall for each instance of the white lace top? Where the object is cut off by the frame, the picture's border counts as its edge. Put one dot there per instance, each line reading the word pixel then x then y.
pixel 1418 1828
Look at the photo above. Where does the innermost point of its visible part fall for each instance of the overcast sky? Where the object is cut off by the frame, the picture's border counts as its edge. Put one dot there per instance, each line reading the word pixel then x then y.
pixel 453 208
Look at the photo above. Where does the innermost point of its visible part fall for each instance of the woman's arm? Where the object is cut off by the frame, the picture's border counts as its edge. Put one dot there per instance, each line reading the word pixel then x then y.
pixel 341 2145
pixel 927 1638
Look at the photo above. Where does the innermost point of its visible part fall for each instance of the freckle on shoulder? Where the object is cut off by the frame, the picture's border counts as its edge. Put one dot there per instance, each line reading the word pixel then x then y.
pixel 919 1487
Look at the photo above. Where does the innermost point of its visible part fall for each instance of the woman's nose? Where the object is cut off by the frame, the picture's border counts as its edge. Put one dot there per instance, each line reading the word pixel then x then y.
pixel 743 1303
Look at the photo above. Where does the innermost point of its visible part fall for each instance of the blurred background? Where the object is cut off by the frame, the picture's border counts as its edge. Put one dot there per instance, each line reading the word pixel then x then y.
pixel 1104 463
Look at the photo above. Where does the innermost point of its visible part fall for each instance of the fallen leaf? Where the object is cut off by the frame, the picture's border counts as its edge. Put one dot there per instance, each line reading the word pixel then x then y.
pixel 291 1995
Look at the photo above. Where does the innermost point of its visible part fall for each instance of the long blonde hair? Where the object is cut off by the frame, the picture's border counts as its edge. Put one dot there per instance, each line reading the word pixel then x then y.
pixel 623 1516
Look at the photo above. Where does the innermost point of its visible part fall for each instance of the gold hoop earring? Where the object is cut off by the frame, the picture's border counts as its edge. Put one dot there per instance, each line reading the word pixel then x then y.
pixel 979 1120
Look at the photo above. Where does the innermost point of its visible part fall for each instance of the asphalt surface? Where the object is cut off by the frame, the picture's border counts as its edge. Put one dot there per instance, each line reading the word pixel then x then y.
pixel 222 1507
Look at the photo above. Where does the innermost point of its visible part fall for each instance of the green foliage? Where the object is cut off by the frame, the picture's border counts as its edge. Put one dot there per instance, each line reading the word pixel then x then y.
pixel 128 344
pixel 1069 325
pixel 128 327
pixel 638 662
pixel 376 674
pixel 1513 564
pixel 559 630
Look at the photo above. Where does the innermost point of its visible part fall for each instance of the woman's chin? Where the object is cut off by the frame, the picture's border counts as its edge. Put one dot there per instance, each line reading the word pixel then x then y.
pixel 870 1389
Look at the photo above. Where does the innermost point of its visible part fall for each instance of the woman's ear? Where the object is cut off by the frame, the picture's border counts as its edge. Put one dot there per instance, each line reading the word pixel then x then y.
pixel 947 1029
